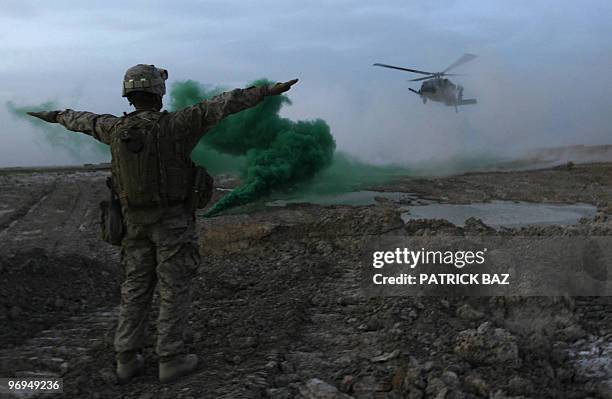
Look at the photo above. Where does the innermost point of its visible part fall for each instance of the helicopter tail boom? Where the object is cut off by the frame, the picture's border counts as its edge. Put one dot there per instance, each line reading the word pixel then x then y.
pixel 469 101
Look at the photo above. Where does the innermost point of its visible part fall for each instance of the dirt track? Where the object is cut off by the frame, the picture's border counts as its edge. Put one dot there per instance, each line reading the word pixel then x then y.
pixel 278 300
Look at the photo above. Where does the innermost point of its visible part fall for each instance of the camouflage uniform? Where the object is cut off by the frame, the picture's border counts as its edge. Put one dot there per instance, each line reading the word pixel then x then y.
pixel 160 242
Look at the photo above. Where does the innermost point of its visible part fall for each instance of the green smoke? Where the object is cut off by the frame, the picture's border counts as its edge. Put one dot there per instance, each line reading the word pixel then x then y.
pixel 187 93
pixel 273 155
pixel 271 152
pixel 79 147
pixel 348 173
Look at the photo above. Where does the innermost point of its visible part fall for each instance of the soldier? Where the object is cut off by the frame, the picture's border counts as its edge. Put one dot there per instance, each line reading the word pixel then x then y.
pixel 153 177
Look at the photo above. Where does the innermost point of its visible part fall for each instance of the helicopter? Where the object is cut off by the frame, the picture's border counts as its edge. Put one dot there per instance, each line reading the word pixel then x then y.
pixel 438 88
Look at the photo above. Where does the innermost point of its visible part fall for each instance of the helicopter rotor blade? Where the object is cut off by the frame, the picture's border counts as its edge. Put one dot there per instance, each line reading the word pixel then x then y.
pixel 462 60
pixel 403 69
pixel 423 78
pixel 436 75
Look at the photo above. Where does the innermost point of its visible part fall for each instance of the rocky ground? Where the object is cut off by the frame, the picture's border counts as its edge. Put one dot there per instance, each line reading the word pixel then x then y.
pixel 279 311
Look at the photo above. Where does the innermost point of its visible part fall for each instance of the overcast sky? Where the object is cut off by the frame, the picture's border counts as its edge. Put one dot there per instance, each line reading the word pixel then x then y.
pixel 542 76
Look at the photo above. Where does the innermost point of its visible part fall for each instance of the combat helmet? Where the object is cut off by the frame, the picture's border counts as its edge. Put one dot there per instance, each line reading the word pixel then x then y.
pixel 147 78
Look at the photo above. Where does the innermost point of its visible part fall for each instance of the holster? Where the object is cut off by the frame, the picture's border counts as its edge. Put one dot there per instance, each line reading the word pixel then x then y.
pixel 111 218
pixel 202 188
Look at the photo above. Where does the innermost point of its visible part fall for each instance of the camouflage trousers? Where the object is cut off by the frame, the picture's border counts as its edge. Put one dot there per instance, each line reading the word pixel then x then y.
pixel 159 250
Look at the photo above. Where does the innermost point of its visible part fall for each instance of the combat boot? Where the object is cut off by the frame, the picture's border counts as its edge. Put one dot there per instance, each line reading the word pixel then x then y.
pixel 172 369
pixel 129 365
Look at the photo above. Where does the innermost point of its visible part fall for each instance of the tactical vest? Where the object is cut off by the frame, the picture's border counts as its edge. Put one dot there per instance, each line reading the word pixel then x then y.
pixel 150 167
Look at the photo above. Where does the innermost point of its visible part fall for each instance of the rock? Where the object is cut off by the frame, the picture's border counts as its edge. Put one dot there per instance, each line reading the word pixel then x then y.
pixel 474 224
pixel 428 366
pixel 414 377
pixel 488 346
pixel 476 385
pixel 520 386
pixel 442 394
pixel 257 381
pixel 415 393
pixel 385 356
pixel 318 389
pixel 396 329
pixel 450 378
pixel 374 324
pixel 435 386
pixel 346 360
pixel 467 312
pixel 271 366
pixel 384 201
pixel 502 395
pixel 571 333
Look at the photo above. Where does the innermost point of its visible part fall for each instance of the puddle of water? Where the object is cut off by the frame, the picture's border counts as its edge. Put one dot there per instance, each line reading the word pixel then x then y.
pixel 596 361
pixel 504 213
pixel 495 213
pixel 356 198
pixel 593 360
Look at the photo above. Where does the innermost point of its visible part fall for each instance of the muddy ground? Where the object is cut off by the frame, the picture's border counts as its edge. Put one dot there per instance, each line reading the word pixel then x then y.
pixel 278 309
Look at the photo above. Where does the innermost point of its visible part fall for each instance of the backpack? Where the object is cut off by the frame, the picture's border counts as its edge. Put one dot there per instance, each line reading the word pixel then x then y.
pixel 150 167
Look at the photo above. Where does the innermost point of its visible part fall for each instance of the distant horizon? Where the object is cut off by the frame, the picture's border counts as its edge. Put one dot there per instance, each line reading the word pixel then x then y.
pixel 559 156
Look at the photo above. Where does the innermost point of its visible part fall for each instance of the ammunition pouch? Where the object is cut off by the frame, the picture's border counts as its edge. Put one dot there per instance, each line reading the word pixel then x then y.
pixel 111 218
pixel 202 188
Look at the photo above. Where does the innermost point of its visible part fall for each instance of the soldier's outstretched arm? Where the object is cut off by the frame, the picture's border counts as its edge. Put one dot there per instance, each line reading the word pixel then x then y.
pixel 196 120
pixel 95 125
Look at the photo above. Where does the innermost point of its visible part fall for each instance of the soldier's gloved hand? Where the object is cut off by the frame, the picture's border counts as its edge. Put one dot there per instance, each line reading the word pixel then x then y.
pixel 280 88
pixel 47 116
